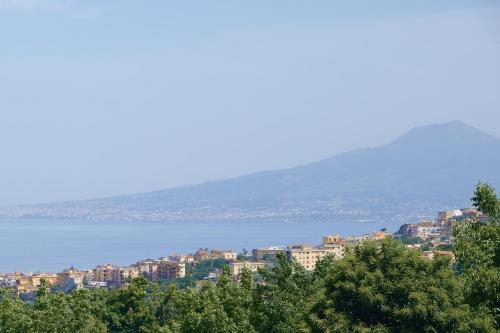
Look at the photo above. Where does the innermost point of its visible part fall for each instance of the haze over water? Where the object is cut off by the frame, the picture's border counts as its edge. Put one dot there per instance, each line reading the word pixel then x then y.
pixel 52 245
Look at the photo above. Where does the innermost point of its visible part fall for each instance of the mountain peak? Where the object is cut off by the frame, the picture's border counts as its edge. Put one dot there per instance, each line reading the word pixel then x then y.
pixel 454 133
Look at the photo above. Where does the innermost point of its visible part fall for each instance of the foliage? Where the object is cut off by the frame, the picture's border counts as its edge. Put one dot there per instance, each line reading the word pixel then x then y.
pixel 388 288
pixel 281 300
pixel 410 240
pixel 477 248
pixel 444 247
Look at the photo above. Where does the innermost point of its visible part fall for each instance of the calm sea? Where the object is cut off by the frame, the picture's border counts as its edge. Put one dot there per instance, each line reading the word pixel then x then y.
pixel 30 245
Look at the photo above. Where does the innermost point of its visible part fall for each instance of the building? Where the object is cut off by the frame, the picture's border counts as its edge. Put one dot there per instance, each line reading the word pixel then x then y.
pixel 205 254
pixel 69 273
pixel 31 283
pixel 181 258
pixel 443 217
pixel 253 266
pixel 146 267
pixel 104 273
pixel 96 284
pixel 71 283
pixel 356 240
pixel 267 253
pixel 169 270
pixel 427 230
pixel 23 285
pixel 36 279
pixel 379 235
pixel 431 254
pixel 7 282
pixel 307 255
pixel 331 239
pixel 120 275
pixel 88 275
pixel 223 254
pixel 202 254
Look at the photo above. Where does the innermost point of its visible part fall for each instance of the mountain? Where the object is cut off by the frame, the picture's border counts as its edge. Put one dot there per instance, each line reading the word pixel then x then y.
pixel 428 168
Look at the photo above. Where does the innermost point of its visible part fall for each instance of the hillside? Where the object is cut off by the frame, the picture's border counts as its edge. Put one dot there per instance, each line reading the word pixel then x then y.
pixel 429 167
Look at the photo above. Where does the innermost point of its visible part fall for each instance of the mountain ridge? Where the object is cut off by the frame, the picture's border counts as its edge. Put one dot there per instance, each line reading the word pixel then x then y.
pixel 437 163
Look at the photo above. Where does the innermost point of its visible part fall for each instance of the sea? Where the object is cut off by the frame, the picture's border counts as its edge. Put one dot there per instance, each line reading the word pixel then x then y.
pixel 50 245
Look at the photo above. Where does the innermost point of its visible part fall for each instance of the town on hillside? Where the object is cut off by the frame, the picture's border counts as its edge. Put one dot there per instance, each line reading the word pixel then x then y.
pixel 430 237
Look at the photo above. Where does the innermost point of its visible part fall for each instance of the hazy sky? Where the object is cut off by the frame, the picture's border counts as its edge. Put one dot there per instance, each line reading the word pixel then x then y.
pixel 111 97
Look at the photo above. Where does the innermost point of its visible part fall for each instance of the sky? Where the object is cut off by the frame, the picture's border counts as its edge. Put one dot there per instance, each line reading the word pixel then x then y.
pixel 100 98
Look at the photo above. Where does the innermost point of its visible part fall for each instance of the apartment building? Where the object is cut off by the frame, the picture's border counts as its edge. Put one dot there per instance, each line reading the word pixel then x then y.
pixel 379 235
pixel 307 255
pixel 427 230
pixel 223 254
pixel 70 273
pixel 169 270
pixel 253 266
pixel 268 252
pixel 202 254
pixel 205 254
pixel 103 273
pixel 146 267
pixel 181 258
pixel 36 279
pixel 120 275
pixel 31 283
pixel 431 254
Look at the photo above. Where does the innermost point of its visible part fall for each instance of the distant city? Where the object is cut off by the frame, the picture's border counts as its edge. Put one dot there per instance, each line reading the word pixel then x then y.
pixel 368 210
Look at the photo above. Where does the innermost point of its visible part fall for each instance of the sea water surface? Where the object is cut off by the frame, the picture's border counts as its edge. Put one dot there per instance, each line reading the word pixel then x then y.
pixel 31 245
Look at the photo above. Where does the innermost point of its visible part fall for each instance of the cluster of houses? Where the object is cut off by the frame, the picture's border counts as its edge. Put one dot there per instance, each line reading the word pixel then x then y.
pixel 438 231
pixel 174 266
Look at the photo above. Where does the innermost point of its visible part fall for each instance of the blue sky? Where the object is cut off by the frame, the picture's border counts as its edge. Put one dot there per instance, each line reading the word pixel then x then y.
pixel 110 97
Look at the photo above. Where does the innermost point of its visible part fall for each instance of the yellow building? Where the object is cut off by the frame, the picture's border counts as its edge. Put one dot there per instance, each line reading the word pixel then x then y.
pixel 104 273
pixel 379 235
pixel 70 273
pixel 331 239
pixel 253 266
pixel 36 279
pixel 307 255
pixel 204 254
pixel 30 283
pixel 181 257
pixel 23 285
pixel 169 270
pixel 223 254
pixel 120 275
pixel 431 254
pixel 146 266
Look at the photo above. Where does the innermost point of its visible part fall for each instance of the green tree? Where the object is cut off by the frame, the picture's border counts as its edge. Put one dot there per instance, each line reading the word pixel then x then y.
pixel 61 313
pixel 15 316
pixel 282 300
pixel 387 288
pixel 221 307
pixel 130 309
pixel 477 248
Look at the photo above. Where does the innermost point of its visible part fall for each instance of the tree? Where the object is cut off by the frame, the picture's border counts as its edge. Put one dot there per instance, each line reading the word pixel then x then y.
pixel 387 288
pixel 477 248
pixel 282 300
pixel 61 313
pixel 130 309
pixel 15 316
